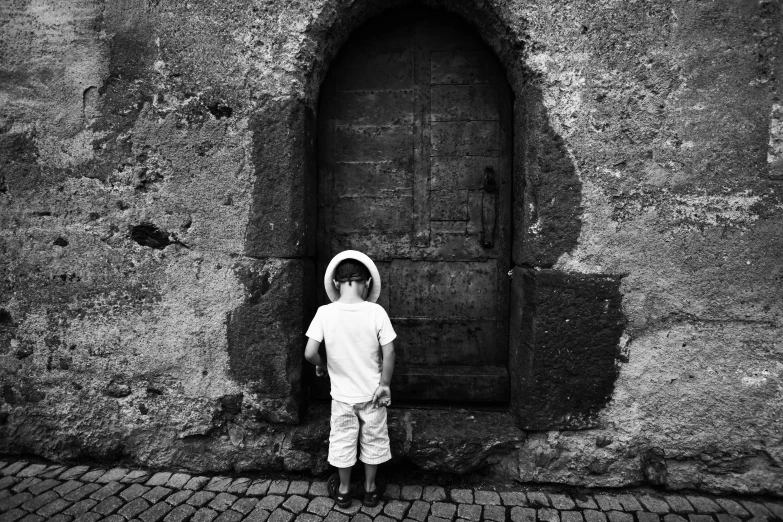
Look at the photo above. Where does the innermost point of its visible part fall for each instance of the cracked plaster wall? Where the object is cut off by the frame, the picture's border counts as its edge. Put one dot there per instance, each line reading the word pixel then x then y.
pixel 127 112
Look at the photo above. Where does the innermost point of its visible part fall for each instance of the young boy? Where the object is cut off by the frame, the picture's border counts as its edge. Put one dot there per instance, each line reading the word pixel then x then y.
pixel 360 361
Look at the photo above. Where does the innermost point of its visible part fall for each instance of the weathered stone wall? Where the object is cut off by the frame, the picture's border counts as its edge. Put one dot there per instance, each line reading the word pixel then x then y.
pixel 156 229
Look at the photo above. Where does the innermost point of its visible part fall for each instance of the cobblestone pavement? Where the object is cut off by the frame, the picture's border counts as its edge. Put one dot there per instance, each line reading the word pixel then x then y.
pixel 32 492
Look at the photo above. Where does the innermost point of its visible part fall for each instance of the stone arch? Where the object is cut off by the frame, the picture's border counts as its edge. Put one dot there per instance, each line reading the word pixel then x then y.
pixel 547 191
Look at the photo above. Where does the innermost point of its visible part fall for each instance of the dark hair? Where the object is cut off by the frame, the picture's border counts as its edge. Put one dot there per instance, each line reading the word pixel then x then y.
pixel 351 270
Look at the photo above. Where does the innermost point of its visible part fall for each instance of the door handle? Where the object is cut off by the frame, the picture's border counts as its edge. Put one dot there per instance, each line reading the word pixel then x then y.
pixel 489 207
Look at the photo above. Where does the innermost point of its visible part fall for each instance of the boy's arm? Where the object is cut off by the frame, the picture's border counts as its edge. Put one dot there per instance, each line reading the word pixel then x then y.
pixel 312 355
pixel 382 393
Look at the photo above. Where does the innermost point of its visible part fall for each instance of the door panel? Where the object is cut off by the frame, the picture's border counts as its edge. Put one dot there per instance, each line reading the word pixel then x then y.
pixel 414 167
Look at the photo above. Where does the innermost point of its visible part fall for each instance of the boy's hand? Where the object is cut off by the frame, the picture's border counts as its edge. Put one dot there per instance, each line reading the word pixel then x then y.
pixel 382 396
pixel 320 370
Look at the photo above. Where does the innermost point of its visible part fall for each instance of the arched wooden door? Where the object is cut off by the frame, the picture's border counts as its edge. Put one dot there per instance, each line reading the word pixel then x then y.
pixel 414 169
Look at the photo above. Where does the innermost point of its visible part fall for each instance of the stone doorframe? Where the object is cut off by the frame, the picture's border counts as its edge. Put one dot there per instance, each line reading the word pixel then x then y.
pixel 282 224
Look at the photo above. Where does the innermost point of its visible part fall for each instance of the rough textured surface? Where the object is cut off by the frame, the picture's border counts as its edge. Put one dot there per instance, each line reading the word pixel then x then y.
pixel 145 148
pixel 565 347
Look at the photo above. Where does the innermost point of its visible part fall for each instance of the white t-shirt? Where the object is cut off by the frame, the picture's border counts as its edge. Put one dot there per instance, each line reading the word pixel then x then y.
pixel 353 335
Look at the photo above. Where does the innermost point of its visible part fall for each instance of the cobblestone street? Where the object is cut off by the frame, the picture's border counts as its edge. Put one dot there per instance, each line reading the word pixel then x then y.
pixel 36 492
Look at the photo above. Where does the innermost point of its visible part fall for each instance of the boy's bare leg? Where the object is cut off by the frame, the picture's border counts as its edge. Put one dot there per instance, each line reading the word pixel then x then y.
pixel 345 480
pixel 369 476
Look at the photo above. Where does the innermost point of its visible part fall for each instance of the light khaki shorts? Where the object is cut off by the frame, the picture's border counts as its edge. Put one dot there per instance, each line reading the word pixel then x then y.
pixel 364 424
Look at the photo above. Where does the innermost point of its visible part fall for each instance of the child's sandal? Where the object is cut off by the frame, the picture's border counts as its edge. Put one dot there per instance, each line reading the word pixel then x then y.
pixel 372 498
pixel 342 500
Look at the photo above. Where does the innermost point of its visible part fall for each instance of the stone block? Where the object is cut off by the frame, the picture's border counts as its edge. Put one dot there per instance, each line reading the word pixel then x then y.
pixel 135 476
pixel 361 517
pixel 723 517
pixel 134 491
pixel 565 332
pixel 53 507
pixel 776 508
pixel 134 507
pixel 229 516
pixel 419 510
pixel 80 507
pixel 156 512
pixel 298 487
pixel 308 517
pixel 392 491
pixel 585 501
pixel 334 516
pixel 561 501
pixel 486 498
pixel 93 475
pixel 592 515
pixel 463 496
pixel 282 212
pixel 200 498
pixel 33 470
pixel 295 504
pixel 732 507
pixel 113 475
pixel 159 479
pixel 522 514
pixel 411 492
pixel 703 504
pixel 319 488
pixel 15 500
pixel 245 505
pixel 396 508
pixel 44 485
pixel 196 483
pixel 222 501
pixel 270 502
pixel 239 486
pixel 280 515
pixel 700 518
pixel 679 504
pixel 180 513
pixel 205 515
pixel 537 499
pixel 320 506
pixel 178 480
pixel 73 473
pixel 571 516
pixel 757 509
pixel 258 488
pixel 628 502
pixel 178 497
pixel 39 501
pixel 25 484
pixel 673 518
pixel 108 490
pixel 443 510
pixel 495 513
pixel 643 516
pixel 108 506
pixel 619 516
pixel 258 515
pixel 156 494
pixel 434 494
pixel 470 512
pixel 14 468
pixel 218 484
pixel 548 515
pixel 654 504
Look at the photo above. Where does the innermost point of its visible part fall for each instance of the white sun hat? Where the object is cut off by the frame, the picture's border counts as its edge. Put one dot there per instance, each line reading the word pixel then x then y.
pixel 332 292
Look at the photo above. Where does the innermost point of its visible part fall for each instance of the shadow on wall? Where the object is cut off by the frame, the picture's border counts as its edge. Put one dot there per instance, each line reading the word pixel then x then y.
pixel 565 327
